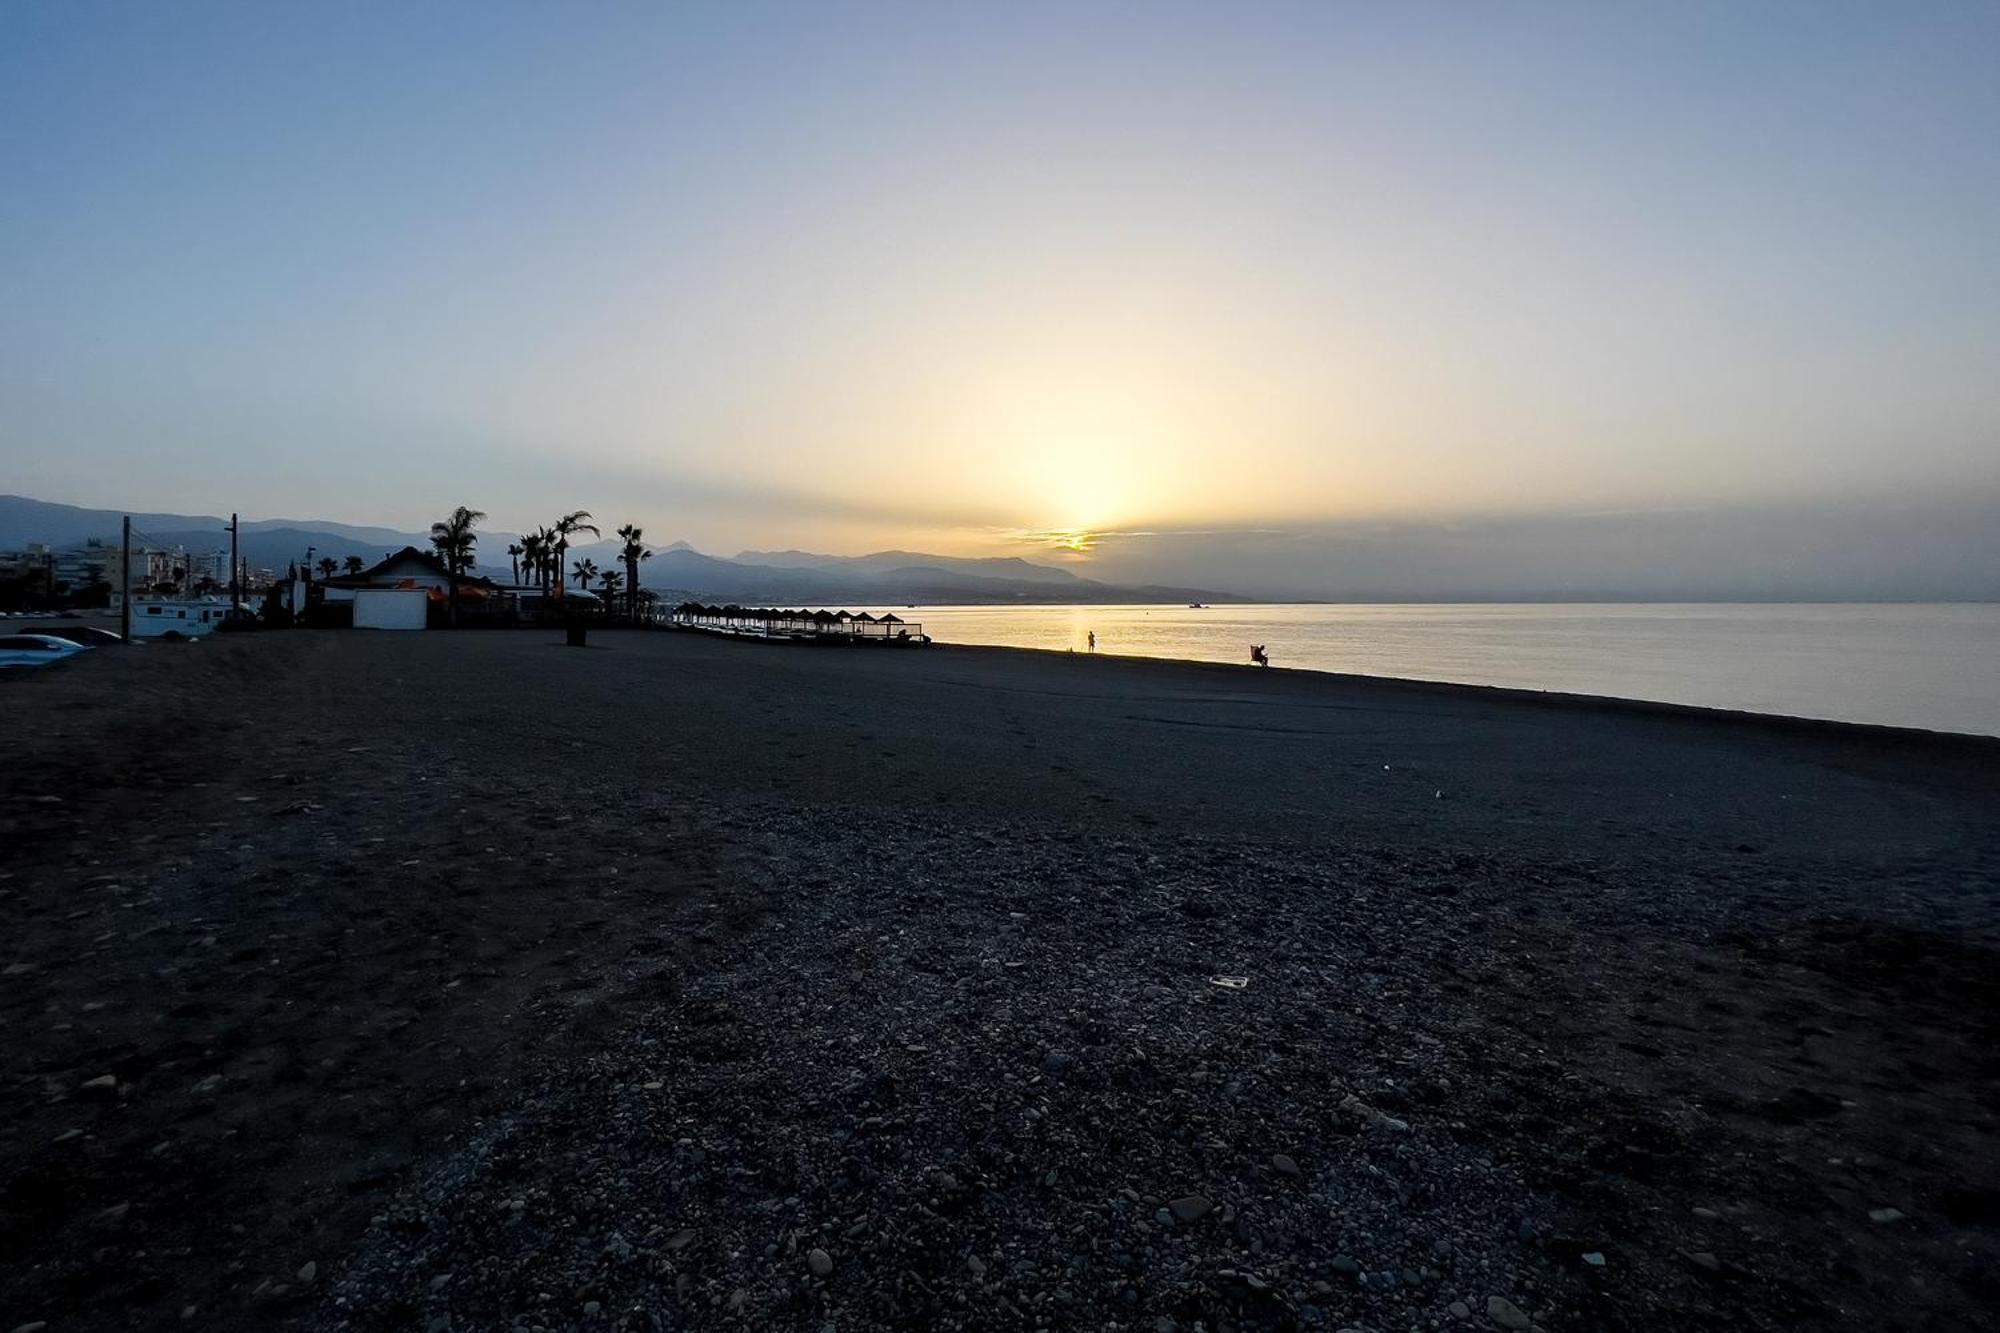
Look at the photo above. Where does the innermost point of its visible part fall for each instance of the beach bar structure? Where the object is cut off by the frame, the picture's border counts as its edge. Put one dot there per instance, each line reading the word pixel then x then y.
pixel 799 626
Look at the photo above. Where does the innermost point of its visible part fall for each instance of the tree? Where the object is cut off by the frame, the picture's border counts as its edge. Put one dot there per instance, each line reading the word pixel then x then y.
pixel 548 564
pixel 455 541
pixel 531 556
pixel 566 527
pixel 632 552
pixel 355 564
pixel 583 571
pixel 515 550
pixel 328 566
pixel 609 581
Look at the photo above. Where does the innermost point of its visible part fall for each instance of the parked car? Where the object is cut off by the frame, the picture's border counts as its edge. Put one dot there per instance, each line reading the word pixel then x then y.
pixel 35 649
pixel 83 636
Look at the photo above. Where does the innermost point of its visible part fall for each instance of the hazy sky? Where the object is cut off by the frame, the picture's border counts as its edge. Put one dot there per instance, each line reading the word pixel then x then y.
pixel 847 277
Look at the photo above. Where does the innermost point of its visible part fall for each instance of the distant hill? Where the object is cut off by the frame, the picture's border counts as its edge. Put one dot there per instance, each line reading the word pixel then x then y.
pixel 994 567
pixel 675 570
pixel 886 578
pixel 265 543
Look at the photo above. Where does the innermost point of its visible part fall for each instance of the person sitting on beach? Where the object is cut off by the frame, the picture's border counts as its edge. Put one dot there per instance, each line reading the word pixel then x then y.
pixel 1258 656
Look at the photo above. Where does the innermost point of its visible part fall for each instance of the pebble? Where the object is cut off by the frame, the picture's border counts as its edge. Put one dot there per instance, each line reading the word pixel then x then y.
pixel 1460 1310
pixel 1285 1166
pixel 820 1262
pixel 1507 1314
pixel 1191 1207
pixel 1594 1259
pixel 103 1084
pixel 308 1270
pixel 1885 1214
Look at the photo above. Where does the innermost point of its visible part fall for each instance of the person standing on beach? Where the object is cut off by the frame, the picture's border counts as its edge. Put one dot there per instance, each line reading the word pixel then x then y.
pixel 1093 641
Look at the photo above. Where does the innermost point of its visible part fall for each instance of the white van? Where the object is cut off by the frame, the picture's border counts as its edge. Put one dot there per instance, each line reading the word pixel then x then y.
pixel 177 618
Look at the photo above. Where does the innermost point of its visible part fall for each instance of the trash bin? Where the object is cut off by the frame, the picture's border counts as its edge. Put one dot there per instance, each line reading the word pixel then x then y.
pixel 576 634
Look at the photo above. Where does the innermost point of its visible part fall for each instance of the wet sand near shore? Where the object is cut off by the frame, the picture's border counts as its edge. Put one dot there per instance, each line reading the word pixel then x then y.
pixel 783 986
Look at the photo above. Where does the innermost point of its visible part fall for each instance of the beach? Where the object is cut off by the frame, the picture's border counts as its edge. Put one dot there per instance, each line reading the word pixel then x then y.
pixel 472 981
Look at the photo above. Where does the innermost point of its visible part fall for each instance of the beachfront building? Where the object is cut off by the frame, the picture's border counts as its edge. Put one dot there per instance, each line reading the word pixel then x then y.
pixel 412 589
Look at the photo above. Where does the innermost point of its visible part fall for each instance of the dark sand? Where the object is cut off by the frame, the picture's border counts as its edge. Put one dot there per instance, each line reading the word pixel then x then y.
pixel 709 955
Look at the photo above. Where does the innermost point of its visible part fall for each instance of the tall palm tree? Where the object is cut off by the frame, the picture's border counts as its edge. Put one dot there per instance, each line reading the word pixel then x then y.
pixel 455 541
pixel 531 556
pixel 632 552
pixel 355 564
pixel 609 581
pixel 566 527
pixel 515 550
pixel 583 571
pixel 328 566
pixel 550 564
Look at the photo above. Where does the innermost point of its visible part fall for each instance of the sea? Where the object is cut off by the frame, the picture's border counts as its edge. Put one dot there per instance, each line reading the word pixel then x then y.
pixel 1929 665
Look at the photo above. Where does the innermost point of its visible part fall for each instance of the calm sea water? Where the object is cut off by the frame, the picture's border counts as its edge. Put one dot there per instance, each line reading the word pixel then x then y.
pixel 1935 666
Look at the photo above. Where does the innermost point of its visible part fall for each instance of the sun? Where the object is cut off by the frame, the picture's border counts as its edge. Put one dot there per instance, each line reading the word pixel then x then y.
pixel 1064 541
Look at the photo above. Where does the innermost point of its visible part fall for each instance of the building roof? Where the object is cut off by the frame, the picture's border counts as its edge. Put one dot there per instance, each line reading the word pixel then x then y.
pixel 375 573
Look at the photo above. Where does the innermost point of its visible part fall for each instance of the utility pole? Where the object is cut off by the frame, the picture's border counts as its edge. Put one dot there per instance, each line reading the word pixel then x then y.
pixel 235 583
pixel 125 581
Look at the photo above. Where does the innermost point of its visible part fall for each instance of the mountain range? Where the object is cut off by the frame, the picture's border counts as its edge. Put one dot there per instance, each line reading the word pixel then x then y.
pixel 675 570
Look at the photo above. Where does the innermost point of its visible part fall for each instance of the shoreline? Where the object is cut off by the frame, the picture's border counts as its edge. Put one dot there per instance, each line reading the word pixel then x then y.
pixel 1526 695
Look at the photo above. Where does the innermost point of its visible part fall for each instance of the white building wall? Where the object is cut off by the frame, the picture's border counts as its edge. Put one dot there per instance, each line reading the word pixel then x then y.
pixel 390 608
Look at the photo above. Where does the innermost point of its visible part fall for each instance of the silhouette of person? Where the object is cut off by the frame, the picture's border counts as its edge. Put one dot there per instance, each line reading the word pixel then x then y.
pixel 1093 641
pixel 1258 655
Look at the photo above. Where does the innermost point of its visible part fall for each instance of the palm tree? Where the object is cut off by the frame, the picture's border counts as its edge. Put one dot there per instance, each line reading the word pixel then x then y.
pixel 515 550
pixel 632 552
pixel 355 564
pixel 566 527
pixel 583 571
pixel 531 555
pixel 609 581
pixel 549 566
pixel 455 540
pixel 328 566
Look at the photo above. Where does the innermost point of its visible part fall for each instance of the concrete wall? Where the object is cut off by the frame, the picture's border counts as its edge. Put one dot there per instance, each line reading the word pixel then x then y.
pixel 390 608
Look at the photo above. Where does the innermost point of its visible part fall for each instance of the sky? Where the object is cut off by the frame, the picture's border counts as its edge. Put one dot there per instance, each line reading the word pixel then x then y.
pixel 1248 296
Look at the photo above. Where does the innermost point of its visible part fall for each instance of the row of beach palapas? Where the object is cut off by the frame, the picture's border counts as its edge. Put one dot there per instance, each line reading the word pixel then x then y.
pixel 774 625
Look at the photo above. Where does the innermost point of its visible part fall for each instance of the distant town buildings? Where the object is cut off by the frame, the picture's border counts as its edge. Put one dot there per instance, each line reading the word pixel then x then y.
pixel 38 577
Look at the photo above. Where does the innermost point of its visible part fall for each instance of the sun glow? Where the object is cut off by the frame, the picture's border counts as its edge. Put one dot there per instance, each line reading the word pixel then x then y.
pixel 1062 541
